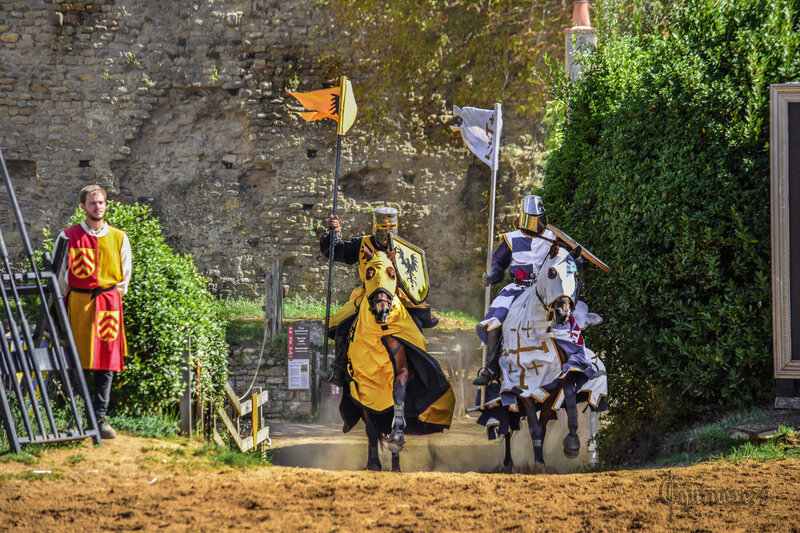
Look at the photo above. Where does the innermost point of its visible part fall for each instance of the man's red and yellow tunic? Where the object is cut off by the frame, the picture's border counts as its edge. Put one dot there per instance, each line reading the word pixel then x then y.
pixel 94 304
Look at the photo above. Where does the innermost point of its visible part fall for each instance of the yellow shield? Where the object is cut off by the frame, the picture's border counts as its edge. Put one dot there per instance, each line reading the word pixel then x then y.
pixel 108 325
pixel 412 271
pixel 82 262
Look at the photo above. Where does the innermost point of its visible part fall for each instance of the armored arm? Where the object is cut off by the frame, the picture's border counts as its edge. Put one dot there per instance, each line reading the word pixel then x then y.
pixel 501 259
pixel 343 251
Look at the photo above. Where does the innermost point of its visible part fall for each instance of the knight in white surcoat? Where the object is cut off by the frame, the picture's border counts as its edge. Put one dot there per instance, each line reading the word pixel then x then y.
pixel 522 253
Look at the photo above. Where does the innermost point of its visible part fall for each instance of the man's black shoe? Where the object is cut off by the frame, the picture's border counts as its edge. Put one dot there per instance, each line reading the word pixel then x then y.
pixel 106 431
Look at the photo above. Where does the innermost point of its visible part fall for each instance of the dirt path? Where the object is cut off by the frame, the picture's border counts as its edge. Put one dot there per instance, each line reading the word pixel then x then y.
pixel 135 483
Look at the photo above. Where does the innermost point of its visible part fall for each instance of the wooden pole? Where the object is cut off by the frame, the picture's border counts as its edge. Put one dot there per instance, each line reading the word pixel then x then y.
pixel 186 398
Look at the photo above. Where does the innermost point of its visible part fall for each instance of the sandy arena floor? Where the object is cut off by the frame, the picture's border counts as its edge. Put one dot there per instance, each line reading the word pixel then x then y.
pixel 132 483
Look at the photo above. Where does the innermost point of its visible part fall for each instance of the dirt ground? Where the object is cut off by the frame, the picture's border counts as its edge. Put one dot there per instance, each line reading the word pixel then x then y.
pixel 132 483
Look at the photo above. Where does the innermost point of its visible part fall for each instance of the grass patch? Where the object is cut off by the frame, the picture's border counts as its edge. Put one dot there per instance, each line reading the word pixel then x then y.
pixel 234 459
pixel 453 320
pixel 233 308
pixel 306 307
pixel 146 426
pixel 245 309
pixel 32 475
pixel 785 444
pixel 74 460
pixel 207 456
pixel 32 452
pixel 243 331
pixel 25 457
pixel 710 442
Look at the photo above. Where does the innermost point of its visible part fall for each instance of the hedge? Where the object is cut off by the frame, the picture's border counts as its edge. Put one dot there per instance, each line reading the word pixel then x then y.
pixel 663 172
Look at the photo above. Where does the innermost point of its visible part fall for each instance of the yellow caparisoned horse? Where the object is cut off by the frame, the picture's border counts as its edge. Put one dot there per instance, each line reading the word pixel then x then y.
pixel 393 384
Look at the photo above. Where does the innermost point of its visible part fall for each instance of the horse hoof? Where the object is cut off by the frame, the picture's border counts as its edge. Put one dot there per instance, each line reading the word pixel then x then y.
pixel 396 441
pixel 572 446
pixel 508 468
pixel 538 468
pixel 374 467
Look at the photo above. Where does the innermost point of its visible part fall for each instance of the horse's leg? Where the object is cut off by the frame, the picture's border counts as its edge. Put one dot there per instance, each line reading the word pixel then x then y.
pixel 536 428
pixel 373 461
pixel 508 462
pixel 571 443
pixel 397 353
pixel 396 462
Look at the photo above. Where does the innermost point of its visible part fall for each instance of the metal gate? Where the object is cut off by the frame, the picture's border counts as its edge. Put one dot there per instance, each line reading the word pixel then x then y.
pixel 43 392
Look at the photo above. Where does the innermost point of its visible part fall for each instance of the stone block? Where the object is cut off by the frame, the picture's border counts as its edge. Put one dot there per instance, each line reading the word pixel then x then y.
pixel 10 37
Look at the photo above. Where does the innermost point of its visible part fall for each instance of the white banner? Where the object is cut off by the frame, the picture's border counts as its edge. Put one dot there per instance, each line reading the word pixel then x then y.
pixel 481 129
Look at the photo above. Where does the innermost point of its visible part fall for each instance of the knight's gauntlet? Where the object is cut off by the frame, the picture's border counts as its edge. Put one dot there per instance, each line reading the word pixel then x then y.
pixel 496 276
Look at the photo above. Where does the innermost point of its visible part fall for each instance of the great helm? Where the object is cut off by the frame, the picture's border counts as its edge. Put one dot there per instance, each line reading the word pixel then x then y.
pixel 384 223
pixel 532 216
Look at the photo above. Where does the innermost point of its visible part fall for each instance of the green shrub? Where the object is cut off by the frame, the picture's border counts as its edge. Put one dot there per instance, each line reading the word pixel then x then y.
pixel 663 172
pixel 146 425
pixel 166 304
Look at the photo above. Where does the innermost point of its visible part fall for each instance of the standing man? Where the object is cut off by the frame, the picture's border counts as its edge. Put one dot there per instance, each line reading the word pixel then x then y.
pixel 94 276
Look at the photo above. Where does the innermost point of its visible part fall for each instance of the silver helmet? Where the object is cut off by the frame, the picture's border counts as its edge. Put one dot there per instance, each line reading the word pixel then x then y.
pixel 384 223
pixel 532 216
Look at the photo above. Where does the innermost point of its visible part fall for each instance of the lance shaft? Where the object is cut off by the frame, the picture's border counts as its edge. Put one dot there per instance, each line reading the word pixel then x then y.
pixel 332 234
pixel 487 299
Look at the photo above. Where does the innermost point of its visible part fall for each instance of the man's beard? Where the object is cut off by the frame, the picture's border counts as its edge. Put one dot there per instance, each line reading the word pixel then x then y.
pixel 95 218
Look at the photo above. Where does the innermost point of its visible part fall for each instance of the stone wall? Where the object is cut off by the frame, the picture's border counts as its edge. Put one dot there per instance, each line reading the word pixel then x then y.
pixel 181 106
pixel 268 371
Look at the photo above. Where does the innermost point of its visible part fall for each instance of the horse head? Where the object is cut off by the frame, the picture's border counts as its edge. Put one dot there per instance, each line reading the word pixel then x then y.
pixel 381 283
pixel 557 283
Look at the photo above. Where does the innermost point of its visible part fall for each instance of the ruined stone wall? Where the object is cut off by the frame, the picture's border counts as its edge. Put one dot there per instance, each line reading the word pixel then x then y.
pixel 181 106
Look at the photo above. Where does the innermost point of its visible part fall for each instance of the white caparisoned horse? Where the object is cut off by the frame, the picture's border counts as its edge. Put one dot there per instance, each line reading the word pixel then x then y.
pixel 545 365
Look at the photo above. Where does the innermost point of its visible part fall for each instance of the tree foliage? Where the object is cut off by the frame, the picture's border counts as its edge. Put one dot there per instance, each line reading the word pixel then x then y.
pixel 663 172
pixel 416 58
pixel 167 304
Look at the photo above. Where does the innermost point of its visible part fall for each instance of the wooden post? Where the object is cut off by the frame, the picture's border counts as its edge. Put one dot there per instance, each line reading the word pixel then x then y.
pixel 186 399
pixel 199 397
pixel 254 407
pixel 273 299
